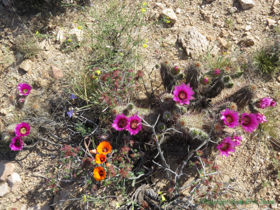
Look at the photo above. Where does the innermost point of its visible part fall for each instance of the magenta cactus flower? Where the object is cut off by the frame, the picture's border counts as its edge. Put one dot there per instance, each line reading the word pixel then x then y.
pixel 120 122
pixel 260 118
pixel 134 124
pixel 22 129
pixel 226 146
pixel 237 140
pixel 183 94
pixel 205 80
pixel 230 118
pixel 249 122
pixel 17 144
pixel 265 102
pixel 216 72
pixel 24 89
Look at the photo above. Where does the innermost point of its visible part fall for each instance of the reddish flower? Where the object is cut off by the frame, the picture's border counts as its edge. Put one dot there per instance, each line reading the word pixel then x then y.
pixel 260 118
pixel 226 146
pixel 120 123
pixel 100 158
pixel 104 148
pixel 99 173
pixel 237 139
pixel 24 89
pixel 17 144
pixel 230 118
pixel 134 124
pixel 265 102
pixel 22 129
pixel 183 94
pixel 249 122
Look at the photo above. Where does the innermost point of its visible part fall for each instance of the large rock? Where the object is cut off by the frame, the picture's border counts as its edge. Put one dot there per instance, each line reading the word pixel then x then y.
pixel 56 73
pixel 4 189
pixel 14 181
pixel 247 4
pixel 170 14
pixel 6 169
pixel 26 65
pixel 194 43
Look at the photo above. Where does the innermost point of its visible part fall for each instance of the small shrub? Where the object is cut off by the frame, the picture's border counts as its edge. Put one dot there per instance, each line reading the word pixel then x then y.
pixel 27 45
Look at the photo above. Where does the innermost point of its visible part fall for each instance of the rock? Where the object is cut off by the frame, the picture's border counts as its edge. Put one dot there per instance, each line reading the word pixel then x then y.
pixel 6 169
pixel 24 207
pixel 273 206
pixel 278 79
pixel 270 22
pixel 210 38
pixel 39 82
pixel 239 20
pixel 226 179
pixel 26 65
pixel 207 16
pixel 4 189
pixel 14 181
pixel 194 43
pixel 178 11
pixel 223 43
pixel 170 14
pixel 76 33
pixel 247 4
pixel 248 28
pixel 232 10
pixel 56 73
pixel 160 5
pixel 37 207
pixel 248 41
pixel 2 127
pixel 223 33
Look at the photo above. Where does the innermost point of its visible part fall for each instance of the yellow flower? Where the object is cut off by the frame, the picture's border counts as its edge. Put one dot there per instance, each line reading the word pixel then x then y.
pixel 118 205
pixel 143 10
pixel 146 40
pixel 201 175
pixel 269 17
pixel 144 45
pixel 37 32
pixel 163 198
pixel 98 72
pixel 167 17
pixel 79 28
pixel 144 3
pixel 85 198
pixel 74 21
pixel 168 21
pixel 69 40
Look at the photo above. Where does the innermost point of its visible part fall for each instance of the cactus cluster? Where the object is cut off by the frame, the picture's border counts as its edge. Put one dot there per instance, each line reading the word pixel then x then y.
pixel 198 119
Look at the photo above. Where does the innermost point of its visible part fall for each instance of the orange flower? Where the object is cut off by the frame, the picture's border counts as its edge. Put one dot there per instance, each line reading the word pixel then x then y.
pixel 99 173
pixel 100 158
pixel 108 164
pixel 104 147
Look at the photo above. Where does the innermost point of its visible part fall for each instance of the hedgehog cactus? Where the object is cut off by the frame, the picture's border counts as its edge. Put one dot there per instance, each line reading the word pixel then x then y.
pixel 166 76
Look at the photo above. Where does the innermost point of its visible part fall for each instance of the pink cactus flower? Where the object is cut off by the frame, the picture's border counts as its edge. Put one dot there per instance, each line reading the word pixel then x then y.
pixel 230 118
pixel 22 129
pixel 260 118
pixel 134 124
pixel 24 89
pixel 226 146
pixel 120 123
pixel 216 72
pixel 237 140
pixel 249 122
pixel 183 94
pixel 265 102
pixel 17 144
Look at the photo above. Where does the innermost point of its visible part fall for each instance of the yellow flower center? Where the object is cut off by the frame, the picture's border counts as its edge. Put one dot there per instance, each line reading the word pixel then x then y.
pixel 23 131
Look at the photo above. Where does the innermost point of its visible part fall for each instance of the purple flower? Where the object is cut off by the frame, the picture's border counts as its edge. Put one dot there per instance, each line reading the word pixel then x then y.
pixel 237 139
pixel 183 94
pixel 73 97
pixel 134 124
pixel 24 89
pixel 260 118
pixel 17 144
pixel 120 122
pixel 230 118
pixel 265 102
pixel 216 72
pixel 70 113
pixel 249 122
pixel 226 146
pixel 22 129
